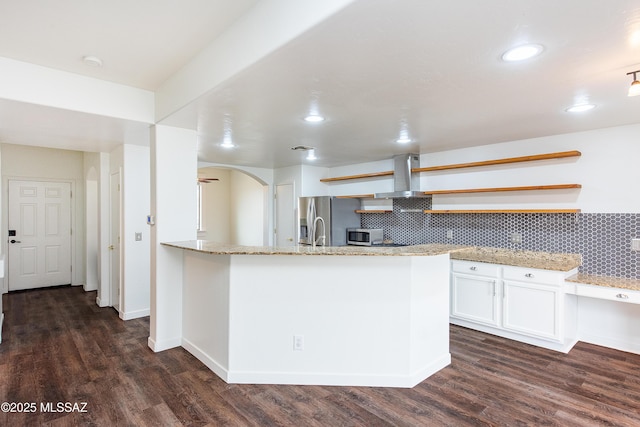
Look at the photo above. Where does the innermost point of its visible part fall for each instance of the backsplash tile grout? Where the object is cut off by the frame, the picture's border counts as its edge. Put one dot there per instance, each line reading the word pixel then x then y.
pixel 603 239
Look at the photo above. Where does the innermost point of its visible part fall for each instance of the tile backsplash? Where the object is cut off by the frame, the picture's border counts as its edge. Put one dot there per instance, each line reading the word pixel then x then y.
pixel 603 239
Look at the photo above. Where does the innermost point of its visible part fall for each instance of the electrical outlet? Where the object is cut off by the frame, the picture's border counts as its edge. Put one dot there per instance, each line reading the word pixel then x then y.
pixel 635 244
pixel 515 238
pixel 449 234
pixel 298 342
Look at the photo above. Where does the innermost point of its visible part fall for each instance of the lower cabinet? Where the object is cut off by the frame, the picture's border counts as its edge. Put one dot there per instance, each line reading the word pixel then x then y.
pixel 474 294
pixel 532 309
pixel 524 304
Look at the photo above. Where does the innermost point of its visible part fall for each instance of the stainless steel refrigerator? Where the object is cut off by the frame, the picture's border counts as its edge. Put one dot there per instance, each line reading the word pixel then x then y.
pixel 336 215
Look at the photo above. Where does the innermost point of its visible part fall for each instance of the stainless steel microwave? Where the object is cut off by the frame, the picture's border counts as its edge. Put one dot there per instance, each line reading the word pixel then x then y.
pixel 364 236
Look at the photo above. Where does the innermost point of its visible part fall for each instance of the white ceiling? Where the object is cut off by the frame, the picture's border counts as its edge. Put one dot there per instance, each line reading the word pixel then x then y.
pixel 434 65
pixel 141 42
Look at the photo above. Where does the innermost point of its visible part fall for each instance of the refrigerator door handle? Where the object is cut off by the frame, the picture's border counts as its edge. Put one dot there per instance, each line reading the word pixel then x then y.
pixel 311 217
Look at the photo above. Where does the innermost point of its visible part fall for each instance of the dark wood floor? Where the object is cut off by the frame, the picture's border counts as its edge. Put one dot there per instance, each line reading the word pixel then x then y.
pixel 58 346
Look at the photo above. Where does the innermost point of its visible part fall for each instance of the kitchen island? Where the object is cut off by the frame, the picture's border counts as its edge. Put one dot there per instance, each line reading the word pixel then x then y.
pixel 324 315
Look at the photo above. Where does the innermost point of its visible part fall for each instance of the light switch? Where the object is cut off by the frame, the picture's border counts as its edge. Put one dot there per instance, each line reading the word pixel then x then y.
pixel 138 237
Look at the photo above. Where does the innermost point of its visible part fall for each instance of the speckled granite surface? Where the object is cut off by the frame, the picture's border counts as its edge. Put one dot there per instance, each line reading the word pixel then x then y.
pixel 541 260
pixel 610 282
pixel 224 249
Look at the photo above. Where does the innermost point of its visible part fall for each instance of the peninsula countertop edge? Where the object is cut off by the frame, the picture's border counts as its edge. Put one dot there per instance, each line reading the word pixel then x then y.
pixel 214 248
pixel 531 259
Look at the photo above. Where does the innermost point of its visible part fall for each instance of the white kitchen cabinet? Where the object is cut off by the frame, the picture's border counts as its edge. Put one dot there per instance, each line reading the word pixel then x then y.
pixel 532 309
pixel 474 295
pixel 523 304
pixel 533 302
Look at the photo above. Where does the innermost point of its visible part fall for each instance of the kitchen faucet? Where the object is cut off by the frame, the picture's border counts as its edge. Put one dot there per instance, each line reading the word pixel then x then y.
pixel 322 238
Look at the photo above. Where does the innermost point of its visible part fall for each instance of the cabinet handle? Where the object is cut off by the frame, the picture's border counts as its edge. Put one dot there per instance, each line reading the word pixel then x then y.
pixel 529 275
pixel 474 268
pixel 622 296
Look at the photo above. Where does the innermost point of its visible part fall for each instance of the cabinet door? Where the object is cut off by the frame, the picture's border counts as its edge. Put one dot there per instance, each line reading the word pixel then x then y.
pixel 532 309
pixel 474 298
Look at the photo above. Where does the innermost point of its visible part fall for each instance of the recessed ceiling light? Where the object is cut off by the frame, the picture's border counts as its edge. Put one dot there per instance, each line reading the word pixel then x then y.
pixel 92 61
pixel 311 155
pixel 520 53
pixel 314 118
pixel 579 108
pixel 403 140
pixel 227 140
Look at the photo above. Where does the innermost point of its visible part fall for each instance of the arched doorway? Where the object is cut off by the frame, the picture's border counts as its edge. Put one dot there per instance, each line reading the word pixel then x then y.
pixel 232 207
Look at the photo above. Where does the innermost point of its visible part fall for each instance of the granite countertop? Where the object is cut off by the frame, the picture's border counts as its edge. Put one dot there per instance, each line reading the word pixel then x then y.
pixel 516 258
pixel 225 249
pixel 530 259
pixel 607 281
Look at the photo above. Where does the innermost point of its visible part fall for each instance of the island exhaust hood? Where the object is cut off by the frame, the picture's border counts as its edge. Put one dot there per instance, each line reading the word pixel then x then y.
pixel 405 183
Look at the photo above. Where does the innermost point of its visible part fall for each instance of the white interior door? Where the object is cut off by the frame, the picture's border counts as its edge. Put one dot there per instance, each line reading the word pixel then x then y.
pixel 39 247
pixel 114 245
pixel 285 221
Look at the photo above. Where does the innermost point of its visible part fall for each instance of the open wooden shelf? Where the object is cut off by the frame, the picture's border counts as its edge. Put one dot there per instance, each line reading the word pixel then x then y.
pixel 376 211
pixel 501 189
pixel 360 176
pixel 536 157
pixel 357 196
pixel 448 211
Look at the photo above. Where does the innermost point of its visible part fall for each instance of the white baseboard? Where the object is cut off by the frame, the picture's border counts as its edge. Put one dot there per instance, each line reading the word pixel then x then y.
pixel 158 346
pixel 617 344
pixel 134 314
pixel 100 303
pixel 564 347
pixel 209 362
pixel 325 379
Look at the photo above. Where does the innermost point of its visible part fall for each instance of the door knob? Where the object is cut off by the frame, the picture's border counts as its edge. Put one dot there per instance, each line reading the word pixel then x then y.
pixel 15 241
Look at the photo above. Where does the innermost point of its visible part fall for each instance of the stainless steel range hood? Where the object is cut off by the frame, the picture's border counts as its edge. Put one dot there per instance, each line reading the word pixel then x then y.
pixel 405 183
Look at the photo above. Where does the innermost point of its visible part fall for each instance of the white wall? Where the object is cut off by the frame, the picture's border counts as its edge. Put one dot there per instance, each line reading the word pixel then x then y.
pixel 264 28
pixel 215 198
pixel 607 171
pixel 135 208
pixel 247 197
pixel 609 323
pixel 133 162
pixel 100 163
pixel 360 186
pixel 24 82
pixel 173 204
pixel 91 228
pixel 236 207
pixel 25 162
pixel 310 184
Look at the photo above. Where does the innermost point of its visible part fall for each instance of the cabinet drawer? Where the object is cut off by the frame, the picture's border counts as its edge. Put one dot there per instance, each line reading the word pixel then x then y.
pixel 613 294
pixel 533 275
pixel 479 268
